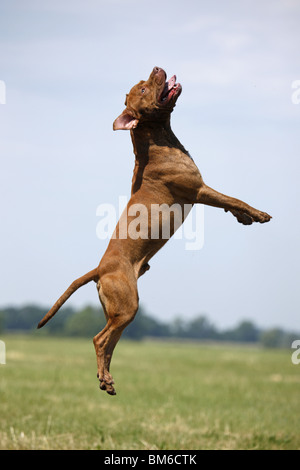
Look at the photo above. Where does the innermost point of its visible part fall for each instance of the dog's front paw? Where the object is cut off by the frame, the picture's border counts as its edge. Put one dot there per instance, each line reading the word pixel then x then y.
pixel 261 217
pixel 242 217
pixel 247 219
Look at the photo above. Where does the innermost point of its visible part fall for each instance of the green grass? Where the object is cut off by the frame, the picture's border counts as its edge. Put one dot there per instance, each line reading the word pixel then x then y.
pixel 169 396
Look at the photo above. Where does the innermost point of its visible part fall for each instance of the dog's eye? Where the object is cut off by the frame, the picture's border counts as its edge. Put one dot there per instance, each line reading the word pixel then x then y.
pixel 143 90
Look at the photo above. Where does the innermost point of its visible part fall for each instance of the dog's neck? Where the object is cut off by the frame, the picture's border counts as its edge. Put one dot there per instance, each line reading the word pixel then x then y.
pixel 148 136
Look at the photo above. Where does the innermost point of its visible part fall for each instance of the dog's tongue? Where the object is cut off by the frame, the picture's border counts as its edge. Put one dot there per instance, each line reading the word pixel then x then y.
pixel 171 82
pixel 168 86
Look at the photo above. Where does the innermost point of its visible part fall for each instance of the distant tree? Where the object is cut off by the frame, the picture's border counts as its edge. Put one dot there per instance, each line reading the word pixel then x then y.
pixel 23 318
pixel 245 332
pixel 289 338
pixel 277 338
pixel 1 322
pixel 56 326
pixel 201 328
pixel 177 328
pixel 143 325
pixel 86 322
pixel 272 338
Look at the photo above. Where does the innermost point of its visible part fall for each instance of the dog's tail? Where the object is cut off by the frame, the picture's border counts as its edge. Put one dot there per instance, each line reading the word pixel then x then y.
pixel 81 281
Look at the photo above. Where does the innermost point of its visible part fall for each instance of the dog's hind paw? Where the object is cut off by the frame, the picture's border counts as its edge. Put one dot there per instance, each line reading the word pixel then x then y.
pixel 107 385
pixel 107 388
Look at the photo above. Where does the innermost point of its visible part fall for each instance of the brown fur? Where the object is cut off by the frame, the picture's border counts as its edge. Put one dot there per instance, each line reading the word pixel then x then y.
pixel 164 173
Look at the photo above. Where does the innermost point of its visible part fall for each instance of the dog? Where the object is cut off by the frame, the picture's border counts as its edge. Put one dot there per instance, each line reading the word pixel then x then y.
pixel 164 175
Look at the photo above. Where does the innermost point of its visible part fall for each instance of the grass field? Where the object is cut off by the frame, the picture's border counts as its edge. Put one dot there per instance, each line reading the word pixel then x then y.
pixel 169 396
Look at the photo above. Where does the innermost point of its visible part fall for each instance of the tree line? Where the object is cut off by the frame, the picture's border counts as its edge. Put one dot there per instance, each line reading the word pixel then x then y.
pixel 88 321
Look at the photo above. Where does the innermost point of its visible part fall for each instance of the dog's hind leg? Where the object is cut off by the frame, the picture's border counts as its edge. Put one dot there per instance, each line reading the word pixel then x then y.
pixel 119 299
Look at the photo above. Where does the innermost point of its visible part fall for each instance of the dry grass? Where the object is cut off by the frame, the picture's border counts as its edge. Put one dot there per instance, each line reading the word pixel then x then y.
pixel 169 396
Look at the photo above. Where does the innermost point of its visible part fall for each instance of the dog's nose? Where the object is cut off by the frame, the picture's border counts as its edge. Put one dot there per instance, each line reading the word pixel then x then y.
pixel 159 71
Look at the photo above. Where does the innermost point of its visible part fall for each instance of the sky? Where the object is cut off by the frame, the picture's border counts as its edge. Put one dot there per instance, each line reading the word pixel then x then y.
pixel 67 66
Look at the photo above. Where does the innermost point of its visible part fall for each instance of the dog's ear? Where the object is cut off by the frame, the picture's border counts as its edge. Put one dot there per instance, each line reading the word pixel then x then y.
pixel 125 121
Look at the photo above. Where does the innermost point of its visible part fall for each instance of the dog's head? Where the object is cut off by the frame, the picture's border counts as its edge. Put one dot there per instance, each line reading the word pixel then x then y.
pixel 151 100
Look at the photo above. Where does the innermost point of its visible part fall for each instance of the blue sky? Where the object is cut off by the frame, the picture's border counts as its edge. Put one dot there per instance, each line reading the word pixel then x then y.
pixel 67 66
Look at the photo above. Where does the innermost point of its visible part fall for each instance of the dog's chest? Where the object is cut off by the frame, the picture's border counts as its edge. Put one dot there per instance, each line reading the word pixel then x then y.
pixel 177 172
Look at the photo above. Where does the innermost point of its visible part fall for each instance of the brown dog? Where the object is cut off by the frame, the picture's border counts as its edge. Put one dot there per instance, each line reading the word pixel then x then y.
pixel 164 175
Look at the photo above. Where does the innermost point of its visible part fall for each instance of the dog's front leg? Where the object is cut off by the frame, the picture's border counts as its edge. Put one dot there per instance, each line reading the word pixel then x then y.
pixel 244 213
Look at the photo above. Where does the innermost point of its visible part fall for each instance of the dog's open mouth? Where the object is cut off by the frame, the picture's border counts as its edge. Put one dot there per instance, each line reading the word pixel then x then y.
pixel 170 90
